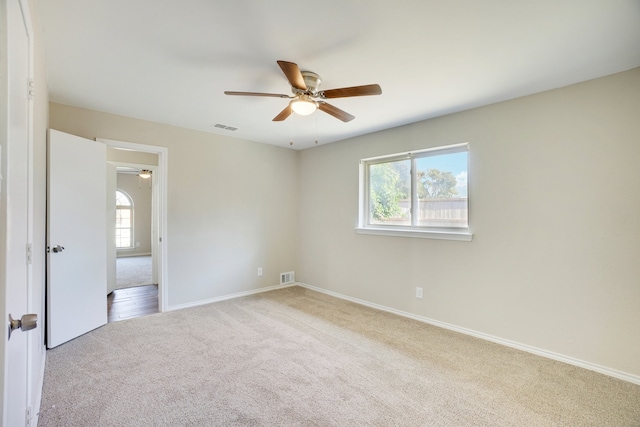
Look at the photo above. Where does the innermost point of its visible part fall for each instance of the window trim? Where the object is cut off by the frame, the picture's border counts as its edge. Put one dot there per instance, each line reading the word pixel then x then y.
pixel 443 233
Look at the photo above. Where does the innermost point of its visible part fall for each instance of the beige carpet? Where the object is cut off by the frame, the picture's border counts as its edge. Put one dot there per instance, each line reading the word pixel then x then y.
pixel 133 271
pixel 295 357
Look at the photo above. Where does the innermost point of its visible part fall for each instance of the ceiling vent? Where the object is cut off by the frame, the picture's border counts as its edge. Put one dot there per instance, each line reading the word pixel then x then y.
pixel 225 127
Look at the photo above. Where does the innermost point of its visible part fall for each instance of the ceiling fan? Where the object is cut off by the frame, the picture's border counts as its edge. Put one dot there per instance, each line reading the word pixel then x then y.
pixel 307 98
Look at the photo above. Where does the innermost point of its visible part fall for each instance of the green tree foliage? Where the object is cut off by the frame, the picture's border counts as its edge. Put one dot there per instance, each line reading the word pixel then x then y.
pixel 387 188
pixel 436 184
pixel 391 182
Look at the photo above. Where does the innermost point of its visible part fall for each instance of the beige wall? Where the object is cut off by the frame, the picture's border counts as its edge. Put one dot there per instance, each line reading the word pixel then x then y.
pixel 555 212
pixel 128 156
pixel 231 203
pixel 140 192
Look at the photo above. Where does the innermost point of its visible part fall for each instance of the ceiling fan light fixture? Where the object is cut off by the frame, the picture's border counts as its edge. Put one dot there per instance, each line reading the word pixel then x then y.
pixel 145 174
pixel 304 106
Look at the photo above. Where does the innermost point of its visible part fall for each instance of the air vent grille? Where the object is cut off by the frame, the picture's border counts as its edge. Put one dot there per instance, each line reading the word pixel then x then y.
pixel 288 277
pixel 225 127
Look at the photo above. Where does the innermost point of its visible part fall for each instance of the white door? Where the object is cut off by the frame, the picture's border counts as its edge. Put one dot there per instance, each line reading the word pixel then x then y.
pixel 77 238
pixel 17 223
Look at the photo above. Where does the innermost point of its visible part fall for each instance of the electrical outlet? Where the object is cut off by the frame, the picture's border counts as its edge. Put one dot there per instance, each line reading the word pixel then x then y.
pixel 259 271
pixel 418 292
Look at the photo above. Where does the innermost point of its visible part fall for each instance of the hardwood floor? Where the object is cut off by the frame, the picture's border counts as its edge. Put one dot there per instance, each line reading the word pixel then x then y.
pixel 132 302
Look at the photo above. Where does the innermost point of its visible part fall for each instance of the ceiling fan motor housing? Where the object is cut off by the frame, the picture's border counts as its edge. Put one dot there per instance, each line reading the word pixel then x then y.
pixel 311 80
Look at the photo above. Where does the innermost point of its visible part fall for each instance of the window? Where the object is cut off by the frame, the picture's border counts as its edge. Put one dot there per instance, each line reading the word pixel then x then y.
pixel 124 220
pixel 420 194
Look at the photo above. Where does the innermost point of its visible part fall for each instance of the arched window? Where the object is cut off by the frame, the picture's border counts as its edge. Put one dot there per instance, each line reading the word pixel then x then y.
pixel 124 220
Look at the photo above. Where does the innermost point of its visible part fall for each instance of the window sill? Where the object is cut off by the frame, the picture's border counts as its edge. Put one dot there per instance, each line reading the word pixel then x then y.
pixel 422 234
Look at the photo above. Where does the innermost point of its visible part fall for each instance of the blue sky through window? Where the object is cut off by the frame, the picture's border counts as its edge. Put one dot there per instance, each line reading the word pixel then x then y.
pixel 456 163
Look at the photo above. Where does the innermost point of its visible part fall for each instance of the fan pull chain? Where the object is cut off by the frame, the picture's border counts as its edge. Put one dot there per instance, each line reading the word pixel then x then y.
pixel 291 132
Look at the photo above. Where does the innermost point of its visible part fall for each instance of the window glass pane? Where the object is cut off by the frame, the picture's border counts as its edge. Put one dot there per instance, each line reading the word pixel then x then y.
pixel 123 218
pixel 390 193
pixel 122 200
pixel 441 184
pixel 122 241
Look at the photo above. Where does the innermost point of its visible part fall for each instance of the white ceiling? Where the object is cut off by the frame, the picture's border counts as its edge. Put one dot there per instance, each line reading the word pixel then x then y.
pixel 170 61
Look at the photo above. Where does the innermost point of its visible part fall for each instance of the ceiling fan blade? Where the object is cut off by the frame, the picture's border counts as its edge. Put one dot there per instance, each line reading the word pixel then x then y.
pixel 351 91
pixel 274 95
pixel 283 114
pixel 293 74
pixel 335 112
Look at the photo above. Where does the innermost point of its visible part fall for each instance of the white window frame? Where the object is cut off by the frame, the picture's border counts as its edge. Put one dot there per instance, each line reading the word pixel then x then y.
pixel 445 233
pixel 131 210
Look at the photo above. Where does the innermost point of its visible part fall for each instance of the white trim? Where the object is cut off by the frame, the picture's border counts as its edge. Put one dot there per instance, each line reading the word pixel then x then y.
pixel 635 379
pixel 35 407
pixel 131 255
pixel 362 194
pixel 230 296
pixel 161 172
pixel 423 234
pixel 152 168
pixel 445 149
pixel 32 348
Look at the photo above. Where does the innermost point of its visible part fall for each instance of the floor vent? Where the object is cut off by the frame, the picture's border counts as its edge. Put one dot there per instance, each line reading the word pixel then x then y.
pixel 288 277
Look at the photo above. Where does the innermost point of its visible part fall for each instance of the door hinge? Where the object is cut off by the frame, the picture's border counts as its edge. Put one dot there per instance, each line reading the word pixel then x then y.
pixel 28 417
pixel 29 253
pixel 31 88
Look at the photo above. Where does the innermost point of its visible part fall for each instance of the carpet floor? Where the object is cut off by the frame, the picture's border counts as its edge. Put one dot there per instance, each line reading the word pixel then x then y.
pixel 133 271
pixel 294 357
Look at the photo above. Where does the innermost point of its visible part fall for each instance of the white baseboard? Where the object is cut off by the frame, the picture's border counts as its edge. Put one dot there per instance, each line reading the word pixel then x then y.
pixel 35 408
pixel 635 379
pixel 230 296
pixel 132 254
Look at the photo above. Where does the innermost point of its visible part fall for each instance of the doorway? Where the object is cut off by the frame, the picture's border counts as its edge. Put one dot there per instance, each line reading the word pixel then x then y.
pixel 130 159
pixel 134 292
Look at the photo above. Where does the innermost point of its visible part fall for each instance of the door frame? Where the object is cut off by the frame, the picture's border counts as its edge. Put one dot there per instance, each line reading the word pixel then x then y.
pixel 32 344
pixel 159 243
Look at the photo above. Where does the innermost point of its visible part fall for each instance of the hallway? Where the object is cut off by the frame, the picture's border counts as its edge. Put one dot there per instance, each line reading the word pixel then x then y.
pixel 132 302
pixel 135 294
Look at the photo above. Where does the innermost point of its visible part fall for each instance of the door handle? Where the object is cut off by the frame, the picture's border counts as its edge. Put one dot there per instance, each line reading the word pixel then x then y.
pixel 25 323
pixel 57 248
